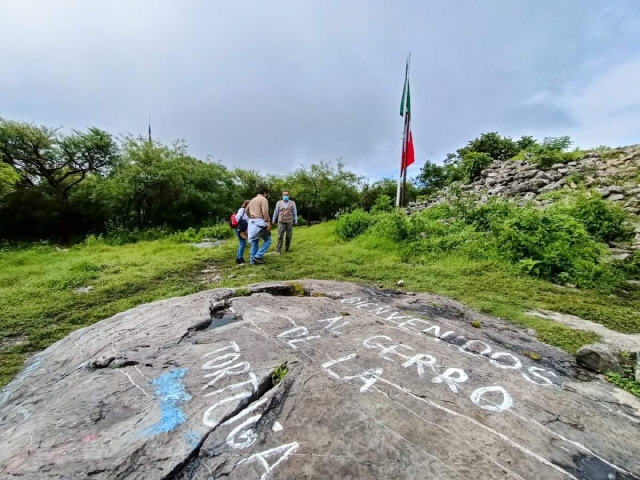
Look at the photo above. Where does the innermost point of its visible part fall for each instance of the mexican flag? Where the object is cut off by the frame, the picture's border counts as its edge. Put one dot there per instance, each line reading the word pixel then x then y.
pixel 408 154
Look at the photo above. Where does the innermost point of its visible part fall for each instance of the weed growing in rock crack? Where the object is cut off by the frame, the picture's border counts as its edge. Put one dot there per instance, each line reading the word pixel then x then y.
pixel 476 324
pixel 532 355
pixel 242 292
pixel 297 289
pixel 279 373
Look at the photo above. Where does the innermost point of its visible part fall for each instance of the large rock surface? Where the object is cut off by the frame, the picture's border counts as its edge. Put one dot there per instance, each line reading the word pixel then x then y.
pixel 379 385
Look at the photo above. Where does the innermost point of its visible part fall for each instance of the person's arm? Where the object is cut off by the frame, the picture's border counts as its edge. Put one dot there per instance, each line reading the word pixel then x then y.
pixel 265 213
pixel 295 213
pixel 275 213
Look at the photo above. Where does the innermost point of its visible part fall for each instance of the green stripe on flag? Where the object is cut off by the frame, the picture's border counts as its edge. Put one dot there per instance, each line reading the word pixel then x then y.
pixel 404 90
pixel 408 102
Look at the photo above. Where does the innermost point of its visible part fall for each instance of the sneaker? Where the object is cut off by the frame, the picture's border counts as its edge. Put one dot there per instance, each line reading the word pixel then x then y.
pixel 239 261
pixel 258 261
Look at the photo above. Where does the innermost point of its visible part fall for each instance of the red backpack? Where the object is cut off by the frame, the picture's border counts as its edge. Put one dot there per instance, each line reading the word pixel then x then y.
pixel 233 222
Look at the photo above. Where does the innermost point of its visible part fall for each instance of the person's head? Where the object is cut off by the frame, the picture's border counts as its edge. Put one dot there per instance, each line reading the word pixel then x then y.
pixel 285 195
pixel 264 191
pixel 245 203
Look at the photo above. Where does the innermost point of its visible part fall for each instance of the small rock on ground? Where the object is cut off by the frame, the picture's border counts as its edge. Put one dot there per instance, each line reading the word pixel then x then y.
pixel 599 358
pixel 83 289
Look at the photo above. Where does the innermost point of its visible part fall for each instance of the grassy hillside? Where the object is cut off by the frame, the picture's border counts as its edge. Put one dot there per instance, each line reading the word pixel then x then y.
pixel 39 307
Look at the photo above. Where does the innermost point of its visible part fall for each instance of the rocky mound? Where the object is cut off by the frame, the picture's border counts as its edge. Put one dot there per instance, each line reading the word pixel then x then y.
pixel 341 381
pixel 614 173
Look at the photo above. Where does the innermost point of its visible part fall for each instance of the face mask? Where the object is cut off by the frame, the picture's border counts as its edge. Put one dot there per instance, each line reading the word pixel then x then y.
pixel 285 198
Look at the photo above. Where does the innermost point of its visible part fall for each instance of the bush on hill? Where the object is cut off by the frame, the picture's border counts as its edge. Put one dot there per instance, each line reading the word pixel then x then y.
pixel 561 243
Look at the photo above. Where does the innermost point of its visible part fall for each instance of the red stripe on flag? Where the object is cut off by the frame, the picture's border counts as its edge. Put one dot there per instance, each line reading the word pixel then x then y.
pixel 408 156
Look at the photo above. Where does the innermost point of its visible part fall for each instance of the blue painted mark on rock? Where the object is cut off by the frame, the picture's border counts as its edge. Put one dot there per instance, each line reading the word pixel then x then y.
pixel 193 438
pixel 171 392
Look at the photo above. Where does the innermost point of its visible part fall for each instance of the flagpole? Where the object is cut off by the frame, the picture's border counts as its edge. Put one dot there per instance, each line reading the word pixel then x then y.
pixel 400 173
pixel 404 138
pixel 402 193
pixel 404 160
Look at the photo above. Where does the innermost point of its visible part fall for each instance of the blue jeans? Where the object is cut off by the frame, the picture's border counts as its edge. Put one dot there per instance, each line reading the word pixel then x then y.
pixel 243 243
pixel 255 253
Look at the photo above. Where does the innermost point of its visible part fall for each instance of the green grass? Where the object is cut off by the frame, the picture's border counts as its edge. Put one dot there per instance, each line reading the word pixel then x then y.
pixel 39 307
pixel 627 380
pixel 624 382
pixel 36 289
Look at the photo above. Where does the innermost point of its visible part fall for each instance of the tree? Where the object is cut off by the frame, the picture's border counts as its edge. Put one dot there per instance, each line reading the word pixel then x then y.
pixel 45 158
pixel 371 192
pixel 497 147
pixel 321 190
pixel 384 203
pixel 156 185
pixel 53 162
pixel 247 183
pixel 8 178
pixel 432 177
pixel 472 164
pixel 558 144
pixel 526 142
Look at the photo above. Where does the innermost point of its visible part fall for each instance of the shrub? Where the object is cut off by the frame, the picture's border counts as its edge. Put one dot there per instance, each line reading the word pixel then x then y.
pixel 551 245
pixel 492 144
pixel 383 204
pixel 444 236
pixel 604 220
pixel 219 231
pixel 484 216
pixel 472 164
pixel 120 235
pixel 353 224
pixel 631 267
pixel 394 226
pixel 432 177
pixel 551 151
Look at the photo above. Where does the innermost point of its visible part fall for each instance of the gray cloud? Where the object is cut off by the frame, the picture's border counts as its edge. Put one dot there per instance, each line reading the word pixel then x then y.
pixel 270 85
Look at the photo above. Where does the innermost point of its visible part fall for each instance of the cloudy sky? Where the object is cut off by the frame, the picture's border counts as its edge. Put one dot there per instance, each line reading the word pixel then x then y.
pixel 272 84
